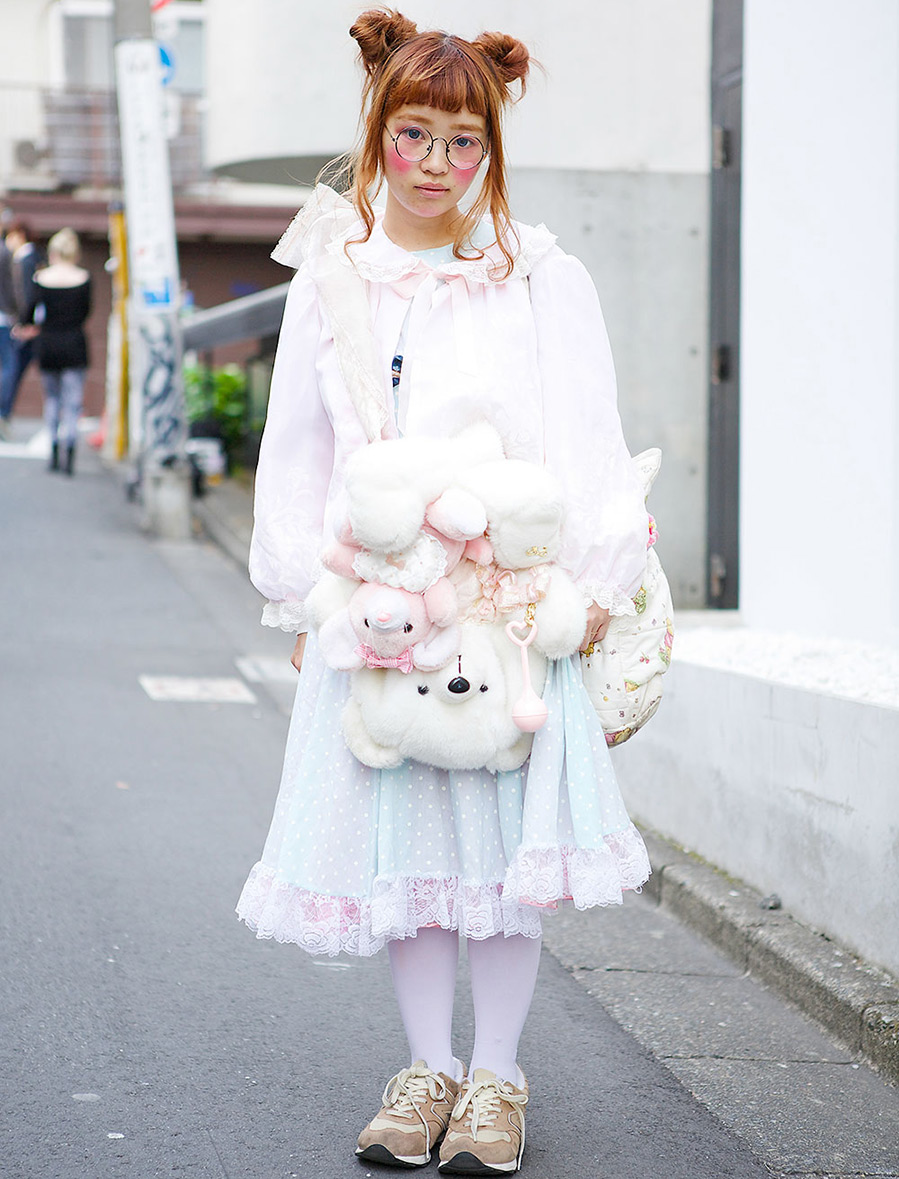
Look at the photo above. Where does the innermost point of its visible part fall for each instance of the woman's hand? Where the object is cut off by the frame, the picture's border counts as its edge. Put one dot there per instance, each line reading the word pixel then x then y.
pixel 598 619
pixel 297 657
pixel 24 331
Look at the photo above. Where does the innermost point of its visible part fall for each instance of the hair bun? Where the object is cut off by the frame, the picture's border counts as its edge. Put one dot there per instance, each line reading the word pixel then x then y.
pixel 508 54
pixel 379 31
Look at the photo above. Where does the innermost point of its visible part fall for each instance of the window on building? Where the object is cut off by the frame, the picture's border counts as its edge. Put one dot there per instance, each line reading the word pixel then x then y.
pixel 87 39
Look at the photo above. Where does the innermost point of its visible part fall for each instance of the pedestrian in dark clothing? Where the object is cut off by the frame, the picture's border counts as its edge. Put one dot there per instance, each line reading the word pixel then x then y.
pixel 62 304
pixel 24 262
pixel 7 319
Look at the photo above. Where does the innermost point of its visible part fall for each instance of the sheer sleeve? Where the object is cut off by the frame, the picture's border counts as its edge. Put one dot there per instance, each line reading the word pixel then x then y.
pixel 296 459
pixel 606 527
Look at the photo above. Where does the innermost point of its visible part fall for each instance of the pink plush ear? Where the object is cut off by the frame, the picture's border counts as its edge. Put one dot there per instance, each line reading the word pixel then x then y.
pixel 339 557
pixel 479 550
pixel 442 603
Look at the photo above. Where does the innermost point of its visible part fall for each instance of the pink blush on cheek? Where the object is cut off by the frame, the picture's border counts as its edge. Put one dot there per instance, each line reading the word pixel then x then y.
pixel 464 177
pixel 396 163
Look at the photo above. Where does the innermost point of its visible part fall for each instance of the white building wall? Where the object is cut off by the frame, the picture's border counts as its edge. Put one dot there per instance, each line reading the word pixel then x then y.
pixel 625 89
pixel 25 61
pixel 819 363
pixel 775 752
pixel 609 148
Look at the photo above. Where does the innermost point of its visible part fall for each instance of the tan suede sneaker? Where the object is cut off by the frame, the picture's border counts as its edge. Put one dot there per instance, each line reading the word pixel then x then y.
pixel 416 1111
pixel 486 1132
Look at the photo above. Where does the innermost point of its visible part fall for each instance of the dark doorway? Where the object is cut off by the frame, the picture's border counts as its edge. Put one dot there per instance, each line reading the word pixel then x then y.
pixel 724 294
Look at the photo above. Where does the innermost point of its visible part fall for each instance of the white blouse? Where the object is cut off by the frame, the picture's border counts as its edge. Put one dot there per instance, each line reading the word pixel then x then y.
pixel 529 354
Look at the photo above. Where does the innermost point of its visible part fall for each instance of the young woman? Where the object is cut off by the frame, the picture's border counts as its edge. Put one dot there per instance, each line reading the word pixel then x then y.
pixel 63 303
pixel 475 317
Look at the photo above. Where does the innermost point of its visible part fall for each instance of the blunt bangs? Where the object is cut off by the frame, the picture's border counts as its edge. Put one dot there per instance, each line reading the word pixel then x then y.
pixel 440 75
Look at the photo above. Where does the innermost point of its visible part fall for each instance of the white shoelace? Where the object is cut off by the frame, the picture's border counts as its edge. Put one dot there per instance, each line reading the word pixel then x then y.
pixel 485 1099
pixel 405 1093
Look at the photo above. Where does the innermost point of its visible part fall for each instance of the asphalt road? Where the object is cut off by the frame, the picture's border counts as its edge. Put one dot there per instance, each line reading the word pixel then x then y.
pixel 145 1031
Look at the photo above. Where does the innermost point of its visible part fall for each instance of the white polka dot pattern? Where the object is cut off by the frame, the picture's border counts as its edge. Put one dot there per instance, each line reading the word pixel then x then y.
pixel 355 857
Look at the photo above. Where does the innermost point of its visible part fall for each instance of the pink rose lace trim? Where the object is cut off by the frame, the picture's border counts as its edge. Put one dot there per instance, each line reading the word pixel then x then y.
pixel 399 906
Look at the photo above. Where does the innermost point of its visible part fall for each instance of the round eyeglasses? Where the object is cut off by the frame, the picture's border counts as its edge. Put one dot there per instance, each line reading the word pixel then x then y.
pixel 414 144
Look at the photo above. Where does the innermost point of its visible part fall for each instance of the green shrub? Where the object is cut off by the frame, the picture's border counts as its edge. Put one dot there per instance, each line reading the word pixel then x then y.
pixel 217 398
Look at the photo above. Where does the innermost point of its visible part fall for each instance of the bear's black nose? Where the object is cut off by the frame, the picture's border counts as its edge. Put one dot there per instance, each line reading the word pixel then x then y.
pixel 459 685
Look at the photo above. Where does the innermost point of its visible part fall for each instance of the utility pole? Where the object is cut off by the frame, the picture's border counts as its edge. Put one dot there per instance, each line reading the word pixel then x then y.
pixel 157 424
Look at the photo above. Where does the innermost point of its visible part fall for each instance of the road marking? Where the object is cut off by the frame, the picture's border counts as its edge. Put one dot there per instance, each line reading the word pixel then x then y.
pixel 33 440
pixel 266 669
pixel 193 690
pixel 35 447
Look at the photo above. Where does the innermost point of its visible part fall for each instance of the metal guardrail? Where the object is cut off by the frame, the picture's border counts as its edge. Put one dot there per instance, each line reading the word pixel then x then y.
pixel 255 316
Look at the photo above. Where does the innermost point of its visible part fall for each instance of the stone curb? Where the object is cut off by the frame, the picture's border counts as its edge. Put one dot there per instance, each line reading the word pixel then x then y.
pixel 856 1002
pixel 230 530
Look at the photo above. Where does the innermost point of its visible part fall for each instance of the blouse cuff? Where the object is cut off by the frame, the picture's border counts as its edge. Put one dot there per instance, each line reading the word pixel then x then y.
pixel 611 597
pixel 289 616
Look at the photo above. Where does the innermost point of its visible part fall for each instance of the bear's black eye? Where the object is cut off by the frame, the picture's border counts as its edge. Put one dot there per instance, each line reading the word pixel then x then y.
pixel 365 620
pixel 423 689
pixel 482 688
pixel 407 627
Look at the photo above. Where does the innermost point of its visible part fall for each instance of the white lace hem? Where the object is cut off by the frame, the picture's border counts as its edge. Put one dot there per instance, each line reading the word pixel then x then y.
pixel 586 876
pixel 538 878
pixel 290 616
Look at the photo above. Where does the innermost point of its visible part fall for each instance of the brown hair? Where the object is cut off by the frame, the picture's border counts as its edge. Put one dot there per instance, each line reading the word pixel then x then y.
pixel 407 68
pixel 17 225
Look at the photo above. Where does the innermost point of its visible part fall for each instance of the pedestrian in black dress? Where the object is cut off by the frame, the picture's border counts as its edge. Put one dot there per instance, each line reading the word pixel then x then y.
pixel 63 294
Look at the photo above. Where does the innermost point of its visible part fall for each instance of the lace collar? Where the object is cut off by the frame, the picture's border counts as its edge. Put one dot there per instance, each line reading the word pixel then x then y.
pixel 328 221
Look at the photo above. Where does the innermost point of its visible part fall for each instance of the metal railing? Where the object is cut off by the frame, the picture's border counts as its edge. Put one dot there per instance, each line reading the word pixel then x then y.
pixel 69 138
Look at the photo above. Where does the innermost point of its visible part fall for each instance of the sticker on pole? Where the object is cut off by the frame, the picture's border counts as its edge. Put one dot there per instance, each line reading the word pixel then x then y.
pixel 159 295
pixel 167 61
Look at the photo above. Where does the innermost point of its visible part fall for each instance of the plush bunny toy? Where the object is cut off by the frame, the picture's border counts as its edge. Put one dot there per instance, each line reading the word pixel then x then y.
pixel 411 588
pixel 379 626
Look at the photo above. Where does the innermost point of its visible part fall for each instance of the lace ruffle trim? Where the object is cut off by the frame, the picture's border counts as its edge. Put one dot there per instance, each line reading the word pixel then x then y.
pixel 534 243
pixel 611 597
pixel 327 221
pixel 290 616
pixel 584 875
pixel 401 905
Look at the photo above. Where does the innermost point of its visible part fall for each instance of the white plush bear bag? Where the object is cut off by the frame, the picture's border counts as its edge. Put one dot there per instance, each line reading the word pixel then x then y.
pixel 442 601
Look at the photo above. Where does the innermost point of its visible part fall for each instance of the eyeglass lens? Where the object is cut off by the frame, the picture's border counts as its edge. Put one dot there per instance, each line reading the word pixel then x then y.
pixel 415 143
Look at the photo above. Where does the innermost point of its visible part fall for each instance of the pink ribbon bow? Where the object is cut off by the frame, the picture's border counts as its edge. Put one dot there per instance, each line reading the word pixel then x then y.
pixel 370 657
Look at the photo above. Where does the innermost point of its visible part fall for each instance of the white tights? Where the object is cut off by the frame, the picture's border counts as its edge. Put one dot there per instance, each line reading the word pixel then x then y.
pixel 503 974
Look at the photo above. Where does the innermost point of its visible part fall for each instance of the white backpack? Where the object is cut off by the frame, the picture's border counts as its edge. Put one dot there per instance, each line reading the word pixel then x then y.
pixel 623 673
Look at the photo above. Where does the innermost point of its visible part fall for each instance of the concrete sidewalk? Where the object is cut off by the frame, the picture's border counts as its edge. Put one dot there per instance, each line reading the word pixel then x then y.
pixel 145 1031
pixel 156 1034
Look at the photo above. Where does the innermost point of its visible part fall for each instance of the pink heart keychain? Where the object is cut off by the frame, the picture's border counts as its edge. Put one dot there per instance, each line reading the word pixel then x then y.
pixel 529 712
